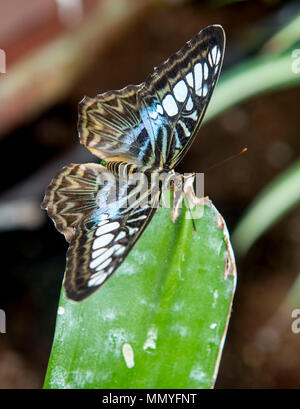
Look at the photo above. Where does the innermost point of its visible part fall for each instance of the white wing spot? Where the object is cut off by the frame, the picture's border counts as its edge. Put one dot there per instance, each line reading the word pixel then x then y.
pixel 103 265
pixel 141 217
pixel 189 106
pixel 210 60
pixel 102 241
pixel 198 78
pixel 180 91
pixel 98 252
pixel 186 131
pixel 120 236
pixel 101 258
pixel 153 114
pixel 190 79
pixel 214 53
pixel 205 71
pixel 170 105
pixel 132 230
pixel 97 279
pixel 159 109
pixel 193 115
pixel 205 89
pixel 110 270
pixel 102 222
pixel 218 56
pixel 107 228
pixel 120 250
pixel 128 355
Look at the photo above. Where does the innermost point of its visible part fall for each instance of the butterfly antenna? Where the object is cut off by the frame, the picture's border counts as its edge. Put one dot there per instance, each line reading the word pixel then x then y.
pixel 212 167
pixel 226 160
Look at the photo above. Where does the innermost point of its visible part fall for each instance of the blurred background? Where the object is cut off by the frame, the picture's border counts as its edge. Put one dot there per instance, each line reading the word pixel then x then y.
pixel 52 53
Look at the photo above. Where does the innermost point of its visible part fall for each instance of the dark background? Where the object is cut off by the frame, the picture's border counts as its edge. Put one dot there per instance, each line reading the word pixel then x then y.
pixel 34 146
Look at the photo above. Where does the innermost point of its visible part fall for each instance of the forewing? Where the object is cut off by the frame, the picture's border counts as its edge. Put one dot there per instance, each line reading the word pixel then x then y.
pixel 90 207
pixel 109 125
pixel 154 123
pixel 180 90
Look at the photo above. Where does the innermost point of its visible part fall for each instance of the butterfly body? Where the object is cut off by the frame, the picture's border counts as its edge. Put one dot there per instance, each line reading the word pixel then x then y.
pixel 153 181
pixel 140 133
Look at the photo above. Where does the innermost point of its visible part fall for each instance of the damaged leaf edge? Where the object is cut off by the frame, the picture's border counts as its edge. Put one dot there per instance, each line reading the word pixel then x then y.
pixel 229 270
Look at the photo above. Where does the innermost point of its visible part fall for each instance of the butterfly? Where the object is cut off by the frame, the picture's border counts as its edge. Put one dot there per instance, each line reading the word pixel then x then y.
pixel 140 130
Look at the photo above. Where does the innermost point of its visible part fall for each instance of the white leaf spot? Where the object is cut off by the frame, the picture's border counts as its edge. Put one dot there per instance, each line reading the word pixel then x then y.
pixel 128 355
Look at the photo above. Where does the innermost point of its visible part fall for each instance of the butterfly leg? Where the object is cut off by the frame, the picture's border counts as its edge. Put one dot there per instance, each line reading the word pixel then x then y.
pixel 178 196
pixel 174 182
pixel 189 190
pixel 183 185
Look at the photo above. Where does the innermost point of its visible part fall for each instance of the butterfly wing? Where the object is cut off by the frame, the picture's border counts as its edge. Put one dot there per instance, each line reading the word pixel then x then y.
pixel 150 124
pixel 90 207
pixel 109 125
pixel 154 123
pixel 183 86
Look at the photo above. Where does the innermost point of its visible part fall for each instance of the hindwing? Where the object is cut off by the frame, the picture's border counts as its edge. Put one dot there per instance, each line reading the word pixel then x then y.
pixel 90 207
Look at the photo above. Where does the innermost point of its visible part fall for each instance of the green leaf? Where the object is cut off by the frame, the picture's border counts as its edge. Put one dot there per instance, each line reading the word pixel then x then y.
pixel 285 38
pixel 273 202
pixel 161 320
